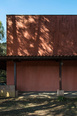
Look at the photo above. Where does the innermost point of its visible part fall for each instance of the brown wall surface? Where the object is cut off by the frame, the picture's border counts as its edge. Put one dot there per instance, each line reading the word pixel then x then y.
pixel 69 76
pixel 43 75
pixel 41 35
pixel 10 73
pixel 35 76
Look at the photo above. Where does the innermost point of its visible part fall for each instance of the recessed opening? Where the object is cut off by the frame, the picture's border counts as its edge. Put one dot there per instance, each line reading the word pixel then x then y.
pixel 2 77
pixel 2 72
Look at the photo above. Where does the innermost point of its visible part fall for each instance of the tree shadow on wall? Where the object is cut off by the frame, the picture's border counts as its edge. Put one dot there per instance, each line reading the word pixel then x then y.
pixel 41 35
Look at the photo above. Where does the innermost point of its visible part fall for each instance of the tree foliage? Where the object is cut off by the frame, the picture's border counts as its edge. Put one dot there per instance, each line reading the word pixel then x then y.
pixel 2 52
pixel 2 49
pixel 2 45
pixel 2 76
pixel 1 31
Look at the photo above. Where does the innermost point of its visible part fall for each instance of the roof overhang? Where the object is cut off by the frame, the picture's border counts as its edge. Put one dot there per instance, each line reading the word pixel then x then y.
pixel 4 59
pixel 22 58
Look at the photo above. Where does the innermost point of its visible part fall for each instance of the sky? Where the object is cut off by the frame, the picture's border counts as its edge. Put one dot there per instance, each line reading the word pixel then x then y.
pixel 36 7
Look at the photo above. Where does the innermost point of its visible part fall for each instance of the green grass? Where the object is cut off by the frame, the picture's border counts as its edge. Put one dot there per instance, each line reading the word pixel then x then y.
pixel 31 106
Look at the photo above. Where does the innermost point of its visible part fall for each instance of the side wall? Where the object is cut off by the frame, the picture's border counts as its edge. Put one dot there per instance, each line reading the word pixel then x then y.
pixel 10 73
pixel 34 75
pixel 43 75
pixel 69 75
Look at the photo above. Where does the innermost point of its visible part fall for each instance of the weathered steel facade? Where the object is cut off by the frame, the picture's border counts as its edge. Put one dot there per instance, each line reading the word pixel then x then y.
pixel 42 36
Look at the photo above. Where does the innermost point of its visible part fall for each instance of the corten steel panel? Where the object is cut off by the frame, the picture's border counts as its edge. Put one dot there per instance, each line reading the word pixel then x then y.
pixel 43 75
pixel 36 76
pixel 69 76
pixel 41 35
pixel 10 73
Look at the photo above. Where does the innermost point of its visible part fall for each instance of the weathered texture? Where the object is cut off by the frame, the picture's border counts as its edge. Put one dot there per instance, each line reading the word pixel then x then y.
pixel 60 92
pixel 69 76
pixel 10 73
pixel 43 75
pixel 7 90
pixel 35 75
pixel 41 35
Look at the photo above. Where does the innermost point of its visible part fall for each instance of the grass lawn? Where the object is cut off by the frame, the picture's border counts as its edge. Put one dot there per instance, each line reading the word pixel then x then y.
pixel 30 106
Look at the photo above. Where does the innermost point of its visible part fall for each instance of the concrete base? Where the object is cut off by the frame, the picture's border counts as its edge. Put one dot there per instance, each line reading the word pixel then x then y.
pixel 7 90
pixel 16 93
pixel 60 92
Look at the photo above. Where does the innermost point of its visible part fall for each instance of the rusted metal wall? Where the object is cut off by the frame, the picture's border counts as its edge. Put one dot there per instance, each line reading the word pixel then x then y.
pixel 43 75
pixel 69 76
pixel 41 35
pixel 34 75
